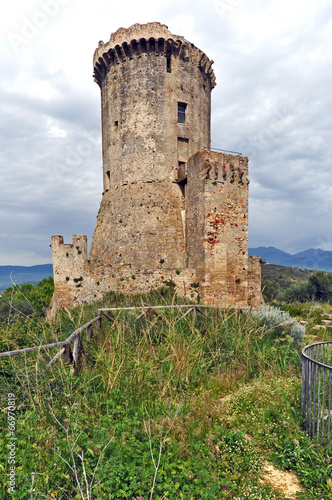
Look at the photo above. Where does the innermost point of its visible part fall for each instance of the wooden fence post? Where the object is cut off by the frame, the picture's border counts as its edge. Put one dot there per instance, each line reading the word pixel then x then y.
pixel 89 331
pixel 76 352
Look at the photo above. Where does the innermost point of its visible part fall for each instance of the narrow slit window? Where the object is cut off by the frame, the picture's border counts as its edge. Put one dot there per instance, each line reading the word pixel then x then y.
pixel 169 63
pixel 108 179
pixel 182 107
pixel 183 189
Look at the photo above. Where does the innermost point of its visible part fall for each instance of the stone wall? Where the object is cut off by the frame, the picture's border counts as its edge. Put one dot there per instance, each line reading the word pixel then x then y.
pixel 68 269
pixel 144 73
pixel 217 226
pixel 255 298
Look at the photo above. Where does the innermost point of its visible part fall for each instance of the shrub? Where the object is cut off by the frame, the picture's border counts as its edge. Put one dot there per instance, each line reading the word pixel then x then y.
pixel 317 288
pixel 299 292
pixel 26 299
pixel 320 286
pixel 281 323
pixel 270 289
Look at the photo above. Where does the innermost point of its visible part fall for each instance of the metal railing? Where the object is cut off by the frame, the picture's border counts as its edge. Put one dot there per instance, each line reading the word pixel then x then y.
pixel 316 391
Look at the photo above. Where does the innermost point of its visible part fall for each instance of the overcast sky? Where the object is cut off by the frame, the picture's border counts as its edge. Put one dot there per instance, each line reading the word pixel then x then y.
pixel 273 103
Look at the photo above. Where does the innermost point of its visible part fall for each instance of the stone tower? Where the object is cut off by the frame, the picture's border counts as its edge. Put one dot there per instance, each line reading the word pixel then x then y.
pixel 171 210
pixel 156 101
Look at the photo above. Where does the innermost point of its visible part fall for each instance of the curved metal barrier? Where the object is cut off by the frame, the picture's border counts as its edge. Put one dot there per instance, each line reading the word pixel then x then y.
pixel 316 390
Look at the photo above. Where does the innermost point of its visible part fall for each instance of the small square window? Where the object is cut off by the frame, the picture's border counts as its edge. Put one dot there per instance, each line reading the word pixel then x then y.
pixel 182 112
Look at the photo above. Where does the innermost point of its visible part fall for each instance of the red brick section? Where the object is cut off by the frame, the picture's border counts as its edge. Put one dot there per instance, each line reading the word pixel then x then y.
pixel 217 227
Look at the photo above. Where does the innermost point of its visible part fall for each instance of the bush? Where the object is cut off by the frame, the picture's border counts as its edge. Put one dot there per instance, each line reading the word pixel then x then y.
pixel 318 288
pixel 281 322
pixel 270 289
pixel 26 299
pixel 299 292
pixel 10 309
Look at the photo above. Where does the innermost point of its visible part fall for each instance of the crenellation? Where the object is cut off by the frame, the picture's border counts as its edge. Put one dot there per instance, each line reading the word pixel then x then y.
pixel 173 212
pixel 115 53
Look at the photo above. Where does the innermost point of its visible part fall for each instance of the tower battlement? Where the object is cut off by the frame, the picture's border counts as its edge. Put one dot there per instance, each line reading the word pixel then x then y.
pixel 68 268
pixel 77 247
pixel 143 39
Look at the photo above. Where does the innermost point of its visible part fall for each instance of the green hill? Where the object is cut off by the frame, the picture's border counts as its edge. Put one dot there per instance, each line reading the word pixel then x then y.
pixel 284 276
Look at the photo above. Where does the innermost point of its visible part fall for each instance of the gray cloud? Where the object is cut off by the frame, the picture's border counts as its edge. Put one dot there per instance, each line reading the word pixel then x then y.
pixel 272 103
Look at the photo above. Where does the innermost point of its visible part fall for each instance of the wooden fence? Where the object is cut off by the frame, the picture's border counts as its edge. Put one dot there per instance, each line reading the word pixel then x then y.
pixel 76 337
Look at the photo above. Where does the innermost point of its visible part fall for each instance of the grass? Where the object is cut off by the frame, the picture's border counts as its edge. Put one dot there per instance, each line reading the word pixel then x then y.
pixel 159 409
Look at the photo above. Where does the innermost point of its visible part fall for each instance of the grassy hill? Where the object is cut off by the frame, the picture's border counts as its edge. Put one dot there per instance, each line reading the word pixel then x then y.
pixel 284 276
pixel 178 408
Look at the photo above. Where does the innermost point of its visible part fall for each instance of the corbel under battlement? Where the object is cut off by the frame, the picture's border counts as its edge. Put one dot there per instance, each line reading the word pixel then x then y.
pixel 146 39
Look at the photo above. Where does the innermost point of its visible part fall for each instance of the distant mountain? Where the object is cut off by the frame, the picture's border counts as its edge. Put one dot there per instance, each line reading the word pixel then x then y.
pixel 271 254
pixel 314 258
pixel 23 274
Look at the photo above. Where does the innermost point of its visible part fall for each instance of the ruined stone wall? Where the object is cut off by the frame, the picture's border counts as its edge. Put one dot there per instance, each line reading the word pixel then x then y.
pixel 255 297
pixel 68 269
pixel 217 226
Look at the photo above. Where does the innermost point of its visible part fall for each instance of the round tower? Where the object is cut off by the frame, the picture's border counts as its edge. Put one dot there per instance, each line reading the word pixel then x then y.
pixel 155 101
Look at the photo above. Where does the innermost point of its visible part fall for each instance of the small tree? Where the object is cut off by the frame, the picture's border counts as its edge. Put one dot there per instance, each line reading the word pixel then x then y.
pixel 320 286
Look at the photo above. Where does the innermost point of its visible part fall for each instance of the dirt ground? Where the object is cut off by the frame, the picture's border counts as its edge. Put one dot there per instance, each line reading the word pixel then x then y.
pixel 286 482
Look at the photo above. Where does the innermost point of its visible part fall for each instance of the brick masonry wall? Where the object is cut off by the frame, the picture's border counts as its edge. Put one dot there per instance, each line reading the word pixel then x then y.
pixel 217 226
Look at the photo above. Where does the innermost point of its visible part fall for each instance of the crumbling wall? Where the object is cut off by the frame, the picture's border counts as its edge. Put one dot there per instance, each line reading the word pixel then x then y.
pixel 255 297
pixel 157 225
pixel 68 270
pixel 217 226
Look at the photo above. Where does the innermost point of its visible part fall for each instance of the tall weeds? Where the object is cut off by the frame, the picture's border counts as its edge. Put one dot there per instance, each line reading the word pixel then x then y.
pixel 127 420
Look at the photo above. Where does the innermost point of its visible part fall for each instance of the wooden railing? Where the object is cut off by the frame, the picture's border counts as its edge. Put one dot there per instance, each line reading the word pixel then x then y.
pixel 76 336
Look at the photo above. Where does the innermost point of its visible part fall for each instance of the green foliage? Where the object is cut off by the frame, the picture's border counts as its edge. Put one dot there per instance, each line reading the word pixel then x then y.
pixel 299 292
pixel 318 288
pixel 286 284
pixel 269 412
pixel 187 408
pixel 270 289
pixel 26 299
pixel 10 308
pixel 283 276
